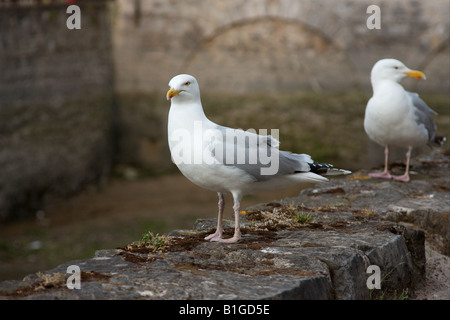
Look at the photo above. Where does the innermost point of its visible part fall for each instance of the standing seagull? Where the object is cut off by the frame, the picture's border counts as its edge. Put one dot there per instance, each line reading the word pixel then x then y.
pixel 227 160
pixel 396 117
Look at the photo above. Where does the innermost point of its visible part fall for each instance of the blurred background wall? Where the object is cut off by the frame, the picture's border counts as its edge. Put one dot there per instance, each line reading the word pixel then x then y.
pixel 276 45
pixel 56 102
pixel 76 103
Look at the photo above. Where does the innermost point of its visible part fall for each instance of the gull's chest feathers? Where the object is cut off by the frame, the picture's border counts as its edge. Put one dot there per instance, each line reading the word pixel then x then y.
pixel 389 104
pixel 184 117
pixel 390 117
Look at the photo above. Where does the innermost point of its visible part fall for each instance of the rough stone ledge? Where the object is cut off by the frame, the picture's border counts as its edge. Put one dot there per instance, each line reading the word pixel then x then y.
pixel 294 264
pixel 290 264
pixel 326 257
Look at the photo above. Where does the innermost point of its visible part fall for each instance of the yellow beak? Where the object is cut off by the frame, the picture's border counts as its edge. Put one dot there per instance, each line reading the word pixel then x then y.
pixel 416 74
pixel 172 93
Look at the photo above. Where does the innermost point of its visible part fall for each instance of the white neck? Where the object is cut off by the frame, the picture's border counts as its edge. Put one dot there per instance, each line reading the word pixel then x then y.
pixel 183 115
pixel 379 85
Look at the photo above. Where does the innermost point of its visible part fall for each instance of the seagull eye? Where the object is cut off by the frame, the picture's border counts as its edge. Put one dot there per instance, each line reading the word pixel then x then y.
pixel 396 67
pixel 187 83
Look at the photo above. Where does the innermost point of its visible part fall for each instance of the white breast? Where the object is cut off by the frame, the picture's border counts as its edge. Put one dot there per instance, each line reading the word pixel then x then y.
pixel 390 118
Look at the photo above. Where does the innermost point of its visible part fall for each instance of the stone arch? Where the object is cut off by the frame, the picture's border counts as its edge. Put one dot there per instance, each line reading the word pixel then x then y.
pixel 269 50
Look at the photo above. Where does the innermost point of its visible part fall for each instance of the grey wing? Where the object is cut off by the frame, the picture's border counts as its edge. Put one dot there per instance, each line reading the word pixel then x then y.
pixel 257 155
pixel 423 114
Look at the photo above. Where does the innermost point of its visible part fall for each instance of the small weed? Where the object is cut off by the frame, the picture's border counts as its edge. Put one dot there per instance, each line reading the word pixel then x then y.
pixel 394 296
pixel 154 242
pixel 299 215
pixel 302 217
pixel 403 295
pixel 389 294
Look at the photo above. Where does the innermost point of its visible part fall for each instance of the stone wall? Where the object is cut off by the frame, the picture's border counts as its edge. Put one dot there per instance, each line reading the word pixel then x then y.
pixel 241 46
pixel 56 90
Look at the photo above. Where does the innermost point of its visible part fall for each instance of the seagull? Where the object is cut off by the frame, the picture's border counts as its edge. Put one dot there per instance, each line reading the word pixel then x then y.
pixel 227 160
pixel 395 117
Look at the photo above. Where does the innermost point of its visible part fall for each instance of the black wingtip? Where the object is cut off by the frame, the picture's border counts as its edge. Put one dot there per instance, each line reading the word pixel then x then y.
pixel 320 168
pixel 439 140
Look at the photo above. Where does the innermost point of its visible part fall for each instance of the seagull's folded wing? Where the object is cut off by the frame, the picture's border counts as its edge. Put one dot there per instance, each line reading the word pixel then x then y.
pixel 252 152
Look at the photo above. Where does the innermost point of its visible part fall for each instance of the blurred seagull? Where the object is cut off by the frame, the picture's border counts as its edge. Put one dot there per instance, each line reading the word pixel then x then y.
pixel 396 117
pixel 212 156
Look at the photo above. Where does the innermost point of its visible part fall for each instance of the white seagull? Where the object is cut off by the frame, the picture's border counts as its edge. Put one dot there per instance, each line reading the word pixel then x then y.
pixel 395 117
pixel 227 160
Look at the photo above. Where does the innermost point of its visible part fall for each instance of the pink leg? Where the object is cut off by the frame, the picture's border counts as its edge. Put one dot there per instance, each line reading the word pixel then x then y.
pixel 237 230
pixel 385 174
pixel 405 176
pixel 219 230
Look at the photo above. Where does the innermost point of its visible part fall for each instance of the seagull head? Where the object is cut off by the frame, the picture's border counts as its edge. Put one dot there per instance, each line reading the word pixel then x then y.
pixel 392 69
pixel 183 87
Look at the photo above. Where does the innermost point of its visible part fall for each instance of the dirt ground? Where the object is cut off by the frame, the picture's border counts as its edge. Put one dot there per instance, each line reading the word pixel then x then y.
pixel 121 210
pixel 437 285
